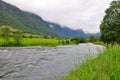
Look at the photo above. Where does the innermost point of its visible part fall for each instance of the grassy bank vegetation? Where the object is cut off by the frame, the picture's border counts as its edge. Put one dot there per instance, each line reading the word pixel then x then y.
pixel 44 42
pixel 13 37
pixel 37 42
pixel 40 42
pixel 105 67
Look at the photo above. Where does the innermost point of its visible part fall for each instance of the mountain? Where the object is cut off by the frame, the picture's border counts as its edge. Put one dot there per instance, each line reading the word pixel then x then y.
pixel 26 21
pixel 67 32
pixel 29 22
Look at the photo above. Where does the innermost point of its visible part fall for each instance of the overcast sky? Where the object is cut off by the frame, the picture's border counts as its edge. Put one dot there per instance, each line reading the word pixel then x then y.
pixel 76 14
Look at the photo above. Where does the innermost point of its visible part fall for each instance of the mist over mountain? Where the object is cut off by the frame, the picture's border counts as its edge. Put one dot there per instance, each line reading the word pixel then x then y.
pixel 30 22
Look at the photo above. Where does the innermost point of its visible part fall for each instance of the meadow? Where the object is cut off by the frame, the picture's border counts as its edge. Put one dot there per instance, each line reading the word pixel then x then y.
pixel 39 42
pixel 36 42
pixel 105 67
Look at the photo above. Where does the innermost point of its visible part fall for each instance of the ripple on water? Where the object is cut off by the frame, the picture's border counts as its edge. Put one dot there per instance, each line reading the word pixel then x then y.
pixel 40 63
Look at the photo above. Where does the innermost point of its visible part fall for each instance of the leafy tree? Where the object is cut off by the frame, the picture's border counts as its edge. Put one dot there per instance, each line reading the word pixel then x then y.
pixel 110 26
pixel 67 42
pixel 17 36
pixel 78 40
pixel 5 32
pixel 63 42
pixel 91 38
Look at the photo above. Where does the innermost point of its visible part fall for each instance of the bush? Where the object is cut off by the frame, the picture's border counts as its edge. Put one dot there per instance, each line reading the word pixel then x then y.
pixel 17 36
pixel 78 40
pixel 5 33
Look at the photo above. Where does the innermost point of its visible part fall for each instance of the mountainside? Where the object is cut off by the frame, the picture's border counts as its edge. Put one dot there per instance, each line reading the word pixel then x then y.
pixel 29 22
pixel 13 16
pixel 67 32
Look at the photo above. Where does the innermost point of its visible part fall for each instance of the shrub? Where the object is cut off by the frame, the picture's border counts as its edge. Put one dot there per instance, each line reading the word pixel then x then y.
pixel 78 40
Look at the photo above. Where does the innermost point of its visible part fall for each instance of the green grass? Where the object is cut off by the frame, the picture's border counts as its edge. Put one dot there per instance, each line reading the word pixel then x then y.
pixel 105 67
pixel 36 42
pixel 40 42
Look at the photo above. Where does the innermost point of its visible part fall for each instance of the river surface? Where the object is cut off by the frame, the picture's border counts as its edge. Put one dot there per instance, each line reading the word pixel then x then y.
pixel 42 63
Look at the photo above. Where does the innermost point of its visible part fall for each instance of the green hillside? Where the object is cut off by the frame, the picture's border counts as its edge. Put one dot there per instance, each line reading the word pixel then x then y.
pixel 32 23
pixel 28 22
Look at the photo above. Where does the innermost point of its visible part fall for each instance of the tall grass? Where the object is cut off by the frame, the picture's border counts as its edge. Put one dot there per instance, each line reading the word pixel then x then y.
pixel 105 67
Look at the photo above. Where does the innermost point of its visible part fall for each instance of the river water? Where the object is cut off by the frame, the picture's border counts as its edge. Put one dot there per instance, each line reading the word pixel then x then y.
pixel 42 63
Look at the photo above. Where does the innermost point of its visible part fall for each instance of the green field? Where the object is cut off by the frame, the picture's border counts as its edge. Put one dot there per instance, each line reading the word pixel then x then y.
pixel 36 42
pixel 105 67
pixel 40 42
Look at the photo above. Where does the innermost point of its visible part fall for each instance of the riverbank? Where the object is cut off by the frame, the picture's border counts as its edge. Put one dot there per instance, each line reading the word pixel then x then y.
pixel 105 67
pixel 36 42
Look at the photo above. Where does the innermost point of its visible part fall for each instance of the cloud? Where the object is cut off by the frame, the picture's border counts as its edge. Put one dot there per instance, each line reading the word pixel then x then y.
pixel 76 14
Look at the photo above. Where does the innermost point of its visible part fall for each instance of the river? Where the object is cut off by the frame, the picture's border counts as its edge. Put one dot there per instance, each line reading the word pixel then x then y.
pixel 42 63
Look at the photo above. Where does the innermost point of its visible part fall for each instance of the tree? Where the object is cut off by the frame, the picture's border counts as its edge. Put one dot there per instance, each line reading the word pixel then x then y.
pixel 110 26
pixel 92 38
pixel 17 36
pixel 78 40
pixel 5 32
pixel 67 42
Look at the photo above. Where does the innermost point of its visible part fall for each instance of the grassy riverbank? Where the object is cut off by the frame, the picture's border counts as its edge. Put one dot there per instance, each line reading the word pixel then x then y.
pixel 37 42
pixel 105 67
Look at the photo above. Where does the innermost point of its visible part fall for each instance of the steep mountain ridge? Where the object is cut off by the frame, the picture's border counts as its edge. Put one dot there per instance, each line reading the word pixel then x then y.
pixel 13 16
pixel 28 22
pixel 67 32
